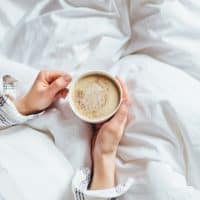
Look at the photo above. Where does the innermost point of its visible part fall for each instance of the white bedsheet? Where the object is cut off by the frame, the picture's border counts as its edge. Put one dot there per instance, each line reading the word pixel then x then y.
pixel 166 30
pixel 160 149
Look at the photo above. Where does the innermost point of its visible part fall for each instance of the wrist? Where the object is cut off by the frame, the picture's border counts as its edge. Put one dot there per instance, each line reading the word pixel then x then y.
pixel 22 106
pixel 103 171
pixel 101 150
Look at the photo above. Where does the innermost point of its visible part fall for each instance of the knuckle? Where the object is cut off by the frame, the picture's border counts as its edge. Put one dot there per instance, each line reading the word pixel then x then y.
pixel 41 73
pixel 58 83
pixel 111 128
pixel 40 90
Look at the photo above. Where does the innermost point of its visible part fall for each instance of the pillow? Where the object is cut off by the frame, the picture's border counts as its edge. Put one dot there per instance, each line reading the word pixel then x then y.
pixel 167 30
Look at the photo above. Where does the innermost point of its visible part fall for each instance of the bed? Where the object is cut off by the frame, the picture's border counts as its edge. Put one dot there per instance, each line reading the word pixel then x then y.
pixel 154 46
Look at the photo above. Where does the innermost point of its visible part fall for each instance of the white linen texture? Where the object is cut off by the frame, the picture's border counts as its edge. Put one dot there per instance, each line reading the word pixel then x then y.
pixel 153 46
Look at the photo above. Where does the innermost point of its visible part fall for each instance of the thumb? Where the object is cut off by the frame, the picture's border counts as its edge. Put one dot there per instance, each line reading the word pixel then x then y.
pixel 120 118
pixel 59 84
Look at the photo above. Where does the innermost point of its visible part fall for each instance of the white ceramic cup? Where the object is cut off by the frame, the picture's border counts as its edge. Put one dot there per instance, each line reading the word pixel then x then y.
pixel 71 92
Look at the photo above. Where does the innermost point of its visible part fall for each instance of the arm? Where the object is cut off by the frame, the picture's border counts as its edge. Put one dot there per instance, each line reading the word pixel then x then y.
pixel 48 87
pixel 105 149
pixel 100 183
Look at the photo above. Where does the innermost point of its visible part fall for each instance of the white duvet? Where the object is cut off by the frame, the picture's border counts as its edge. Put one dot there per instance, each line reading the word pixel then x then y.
pixel 161 147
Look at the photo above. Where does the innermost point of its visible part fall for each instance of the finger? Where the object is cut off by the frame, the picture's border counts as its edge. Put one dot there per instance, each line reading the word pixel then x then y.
pixel 120 118
pixel 93 140
pixel 64 92
pixel 124 89
pixel 126 97
pixel 61 94
pixel 59 84
pixel 98 126
pixel 53 75
pixel 56 98
pixel 50 75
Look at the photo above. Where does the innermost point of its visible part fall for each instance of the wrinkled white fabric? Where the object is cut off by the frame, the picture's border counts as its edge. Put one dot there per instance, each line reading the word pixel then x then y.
pixel 68 33
pixel 67 36
pixel 161 147
pixel 167 30
pixel 11 12
pixel 32 167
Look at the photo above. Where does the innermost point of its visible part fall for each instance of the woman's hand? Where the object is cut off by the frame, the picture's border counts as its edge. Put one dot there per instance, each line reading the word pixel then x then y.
pixel 105 145
pixel 48 87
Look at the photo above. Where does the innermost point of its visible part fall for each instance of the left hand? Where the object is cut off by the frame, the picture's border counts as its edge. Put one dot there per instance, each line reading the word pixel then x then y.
pixel 48 87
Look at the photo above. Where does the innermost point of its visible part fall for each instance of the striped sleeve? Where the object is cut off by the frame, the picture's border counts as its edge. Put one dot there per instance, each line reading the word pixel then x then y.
pixel 80 184
pixel 9 115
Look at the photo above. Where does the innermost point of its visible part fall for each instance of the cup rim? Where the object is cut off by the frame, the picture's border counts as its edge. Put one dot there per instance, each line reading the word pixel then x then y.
pixel 75 111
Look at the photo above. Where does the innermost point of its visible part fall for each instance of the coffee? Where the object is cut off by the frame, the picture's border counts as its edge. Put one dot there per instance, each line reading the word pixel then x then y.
pixel 95 96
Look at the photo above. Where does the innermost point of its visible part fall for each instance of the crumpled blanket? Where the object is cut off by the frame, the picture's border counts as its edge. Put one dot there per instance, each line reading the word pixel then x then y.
pixel 161 147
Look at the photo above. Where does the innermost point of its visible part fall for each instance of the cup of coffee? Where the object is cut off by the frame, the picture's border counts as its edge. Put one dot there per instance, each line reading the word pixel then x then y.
pixel 95 96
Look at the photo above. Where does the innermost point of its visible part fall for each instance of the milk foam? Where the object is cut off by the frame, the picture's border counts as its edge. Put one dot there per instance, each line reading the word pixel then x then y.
pixel 95 96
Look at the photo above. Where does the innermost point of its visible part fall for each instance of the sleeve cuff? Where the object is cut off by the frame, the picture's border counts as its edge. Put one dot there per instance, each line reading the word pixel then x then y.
pixel 81 181
pixel 9 115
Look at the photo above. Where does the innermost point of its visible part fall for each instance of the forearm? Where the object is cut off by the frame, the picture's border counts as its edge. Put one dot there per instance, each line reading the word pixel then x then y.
pixel 103 172
pixel 99 184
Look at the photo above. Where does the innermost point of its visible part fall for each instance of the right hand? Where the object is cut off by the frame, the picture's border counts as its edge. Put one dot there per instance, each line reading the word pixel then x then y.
pixel 105 144
pixel 110 133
